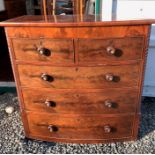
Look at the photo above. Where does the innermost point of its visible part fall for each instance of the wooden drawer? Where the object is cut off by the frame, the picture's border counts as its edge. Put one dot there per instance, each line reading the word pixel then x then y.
pixel 42 32
pixel 81 77
pixel 80 127
pixel 81 102
pixel 56 51
pixel 102 50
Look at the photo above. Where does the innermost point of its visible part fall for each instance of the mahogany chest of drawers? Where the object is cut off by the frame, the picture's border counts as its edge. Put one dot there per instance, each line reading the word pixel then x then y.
pixel 78 81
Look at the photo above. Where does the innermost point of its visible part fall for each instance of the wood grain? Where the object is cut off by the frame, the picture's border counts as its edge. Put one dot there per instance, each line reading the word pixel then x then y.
pixel 81 101
pixel 82 127
pixel 79 78
pixel 57 51
pixel 125 49
pixel 77 32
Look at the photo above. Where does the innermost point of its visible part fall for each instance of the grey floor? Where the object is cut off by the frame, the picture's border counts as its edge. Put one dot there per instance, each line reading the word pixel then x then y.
pixel 12 138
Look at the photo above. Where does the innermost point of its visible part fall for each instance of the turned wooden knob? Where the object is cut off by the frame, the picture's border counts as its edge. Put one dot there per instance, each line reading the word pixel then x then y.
pixel 46 77
pixel 109 77
pixel 50 103
pixel 111 50
pixel 107 129
pixel 108 103
pixel 43 51
pixel 52 128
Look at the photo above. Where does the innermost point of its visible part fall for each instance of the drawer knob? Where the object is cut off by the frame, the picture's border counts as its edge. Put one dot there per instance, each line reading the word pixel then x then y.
pixel 107 129
pixel 111 50
pixel 52 128
pixel 108 103
pixel 109 77
pixel 50 103
pixel 46 77
pixel 44 51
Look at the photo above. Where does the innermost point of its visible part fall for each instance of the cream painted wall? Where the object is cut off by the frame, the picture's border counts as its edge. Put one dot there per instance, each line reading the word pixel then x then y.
pixel 2 5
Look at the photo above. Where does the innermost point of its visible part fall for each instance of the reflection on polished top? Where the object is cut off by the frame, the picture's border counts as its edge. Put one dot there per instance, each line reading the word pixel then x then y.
pixel 70 20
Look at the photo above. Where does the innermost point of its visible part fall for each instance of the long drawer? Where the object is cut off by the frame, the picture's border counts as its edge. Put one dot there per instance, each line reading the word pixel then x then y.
pixel 80 127
pixel 98 51
pixel 55 51
pixel 107 101
pixel 80 77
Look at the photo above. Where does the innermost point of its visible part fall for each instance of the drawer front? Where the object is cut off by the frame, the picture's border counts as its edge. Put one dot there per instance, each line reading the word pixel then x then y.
pixel 105 32
pixel 80 126
pixel 117 49
pixel 44 50
pixel 41 32
pixel 107 101
pixel 81 77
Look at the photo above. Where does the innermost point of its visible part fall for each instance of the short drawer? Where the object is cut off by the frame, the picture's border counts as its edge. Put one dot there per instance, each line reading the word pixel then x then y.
pixel 99 51
pixel 107 101
pixel 80 77
pixel 80 127
pixel 55 51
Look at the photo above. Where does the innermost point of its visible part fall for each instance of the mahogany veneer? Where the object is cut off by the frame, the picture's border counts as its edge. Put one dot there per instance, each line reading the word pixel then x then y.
pixel 30 50
pixel 79 80
pixel 79 77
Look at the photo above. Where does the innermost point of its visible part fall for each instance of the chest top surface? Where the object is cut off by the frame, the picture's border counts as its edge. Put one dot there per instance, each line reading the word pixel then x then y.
pixel 71 20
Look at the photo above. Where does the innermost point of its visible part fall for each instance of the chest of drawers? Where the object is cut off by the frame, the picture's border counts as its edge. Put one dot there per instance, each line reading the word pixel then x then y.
pixel 78 81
